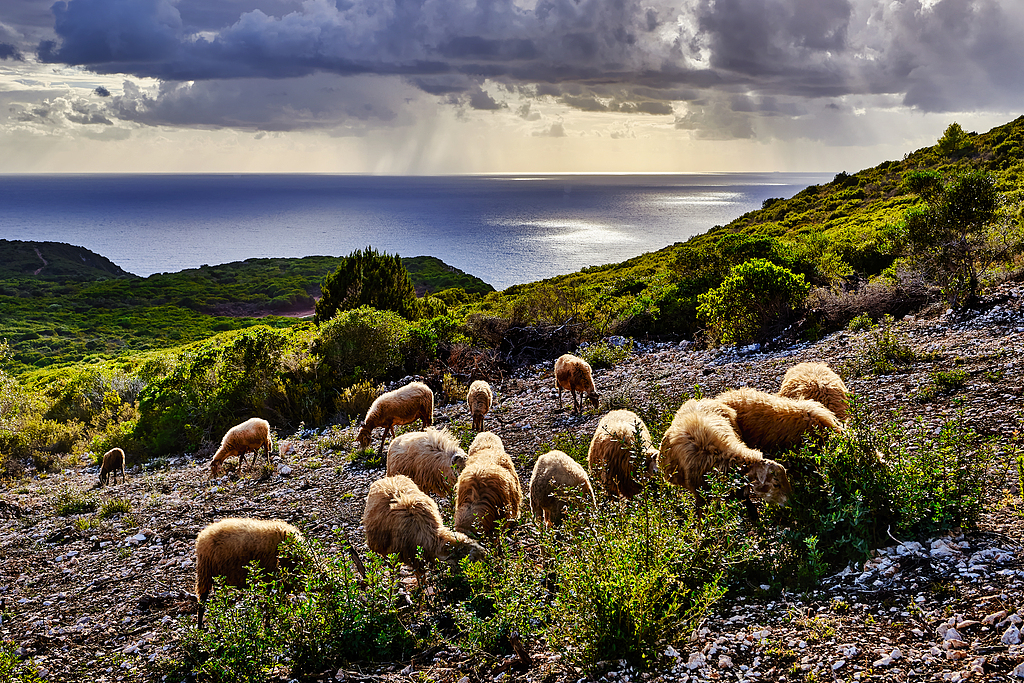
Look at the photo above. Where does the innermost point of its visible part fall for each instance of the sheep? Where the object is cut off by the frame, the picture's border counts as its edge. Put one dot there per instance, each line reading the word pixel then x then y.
pixel 702 438
pixel 818 382
pixel 225 548
pixel 414 401
pixel 557 479
pixel 574 373
pixel 113 460
pixel 249 436
pixel 488 489
pixel 775 423
pixel 479 400
pixel 610 456
pixel 431 458
pixel 401 519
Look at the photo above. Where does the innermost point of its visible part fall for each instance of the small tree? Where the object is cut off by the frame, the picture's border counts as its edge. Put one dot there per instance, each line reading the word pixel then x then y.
pixel 367 278
pixel 753 296
pixel 953 140
pixel 958 234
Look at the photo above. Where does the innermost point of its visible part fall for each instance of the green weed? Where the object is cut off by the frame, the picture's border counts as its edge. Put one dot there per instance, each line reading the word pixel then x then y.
pixel 72 501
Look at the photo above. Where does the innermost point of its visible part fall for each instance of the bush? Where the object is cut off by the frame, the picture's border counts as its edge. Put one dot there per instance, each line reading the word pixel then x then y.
pixel 363 343
pixel 755 295
pixel 659 573
pixel 882 354
pixel 72 501
pixel 253 631
pixel 355 400
pixel 606 354
pixel 874 479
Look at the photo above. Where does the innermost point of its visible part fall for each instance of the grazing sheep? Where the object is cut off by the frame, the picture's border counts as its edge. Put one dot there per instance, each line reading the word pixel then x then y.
pixel 113 460
pixel 414 401
pixel 573 373
pixel 488 489
pixel 224 548
pixel 400 519
pixel 431 458
pixel 818 382
pixel 701 438
pixel 558 480
pixel 774 423
pixel 479 400
pixel 611 453
pixel 250 436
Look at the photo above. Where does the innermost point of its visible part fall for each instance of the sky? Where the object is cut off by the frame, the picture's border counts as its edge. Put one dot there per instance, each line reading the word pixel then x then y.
pixel 497 86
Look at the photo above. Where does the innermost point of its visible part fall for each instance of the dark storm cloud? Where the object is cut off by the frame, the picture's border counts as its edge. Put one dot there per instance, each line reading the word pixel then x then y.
pixel 10 52
pixel 594 55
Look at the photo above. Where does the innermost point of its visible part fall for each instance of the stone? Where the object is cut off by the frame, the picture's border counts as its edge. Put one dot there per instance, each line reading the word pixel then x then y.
pixel 1011 636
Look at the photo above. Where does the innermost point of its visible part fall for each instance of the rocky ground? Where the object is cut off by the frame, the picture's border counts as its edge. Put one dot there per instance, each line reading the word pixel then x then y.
pixel 97 598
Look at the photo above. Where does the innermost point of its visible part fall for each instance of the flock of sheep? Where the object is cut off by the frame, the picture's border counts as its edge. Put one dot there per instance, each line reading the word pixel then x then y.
pixel 732 430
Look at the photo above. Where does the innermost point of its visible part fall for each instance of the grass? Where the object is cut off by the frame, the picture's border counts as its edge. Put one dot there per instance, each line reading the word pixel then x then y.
pixel 72 501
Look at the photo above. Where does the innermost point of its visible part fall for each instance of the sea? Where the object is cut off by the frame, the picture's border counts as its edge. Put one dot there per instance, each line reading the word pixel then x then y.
pixel 504 229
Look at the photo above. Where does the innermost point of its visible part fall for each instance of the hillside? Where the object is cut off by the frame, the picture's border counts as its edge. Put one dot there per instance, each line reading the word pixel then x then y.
pixel 105 593
pixel 54 261
pixel 73 311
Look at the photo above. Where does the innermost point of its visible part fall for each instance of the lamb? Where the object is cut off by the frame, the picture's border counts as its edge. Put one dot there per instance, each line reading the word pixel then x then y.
pixel 400 519
pixel 224 548
pixel 701 438
pixel 431 458
pixel 488 489
pixel 414 401
pixel 574 373
pixel 558 480
pixel 113 460
pixel 775 423
pixel 818 382
pixel 610 457
pixel 479 400
pixel 249 436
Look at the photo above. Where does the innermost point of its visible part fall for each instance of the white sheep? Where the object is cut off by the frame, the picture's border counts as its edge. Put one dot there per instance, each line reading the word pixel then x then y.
pixel 479 400
pixel 817 382
pixel 574 373
pixel 557 482
pixel 247 437
pixel 488 490
pixel 414 401
pixel 225 548
pixel 113 462
pixel 431 458
pixel 611 453
pixel 400 519
pixel 774 423
pixel 700 439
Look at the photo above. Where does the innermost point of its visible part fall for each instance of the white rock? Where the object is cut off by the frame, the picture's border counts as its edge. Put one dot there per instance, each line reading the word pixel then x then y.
pixel 724 662
pixel 284 470
pixel 1011 636
pixel 671 652
pixel 1019 671
pixel 951 634
pixel 839 664
pixel 696 661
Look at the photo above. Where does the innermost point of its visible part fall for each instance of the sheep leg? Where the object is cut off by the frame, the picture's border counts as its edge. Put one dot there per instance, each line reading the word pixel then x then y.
pixel 202 611
pixel 559 396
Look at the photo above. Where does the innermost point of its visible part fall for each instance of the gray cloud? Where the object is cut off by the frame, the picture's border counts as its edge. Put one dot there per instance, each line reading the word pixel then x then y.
pixel 750 58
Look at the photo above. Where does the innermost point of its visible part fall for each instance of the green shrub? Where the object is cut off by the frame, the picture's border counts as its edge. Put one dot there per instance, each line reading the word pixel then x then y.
pixel 860 323
pixel 355 400
pixel 883 353
pixel 604 354
pixel 874 479
pixel 363 343
pixel 755 295
pixel 72 501
pixel 660 572
pixel 251 633
pixel 367 278
pixel 114 506
pixel 12 669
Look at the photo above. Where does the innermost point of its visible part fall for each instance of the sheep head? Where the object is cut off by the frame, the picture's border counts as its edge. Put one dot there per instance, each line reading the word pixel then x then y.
pixel 594 398
pixel 461 546
pixel 768 480
pixel 458 460
pixel 363 437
